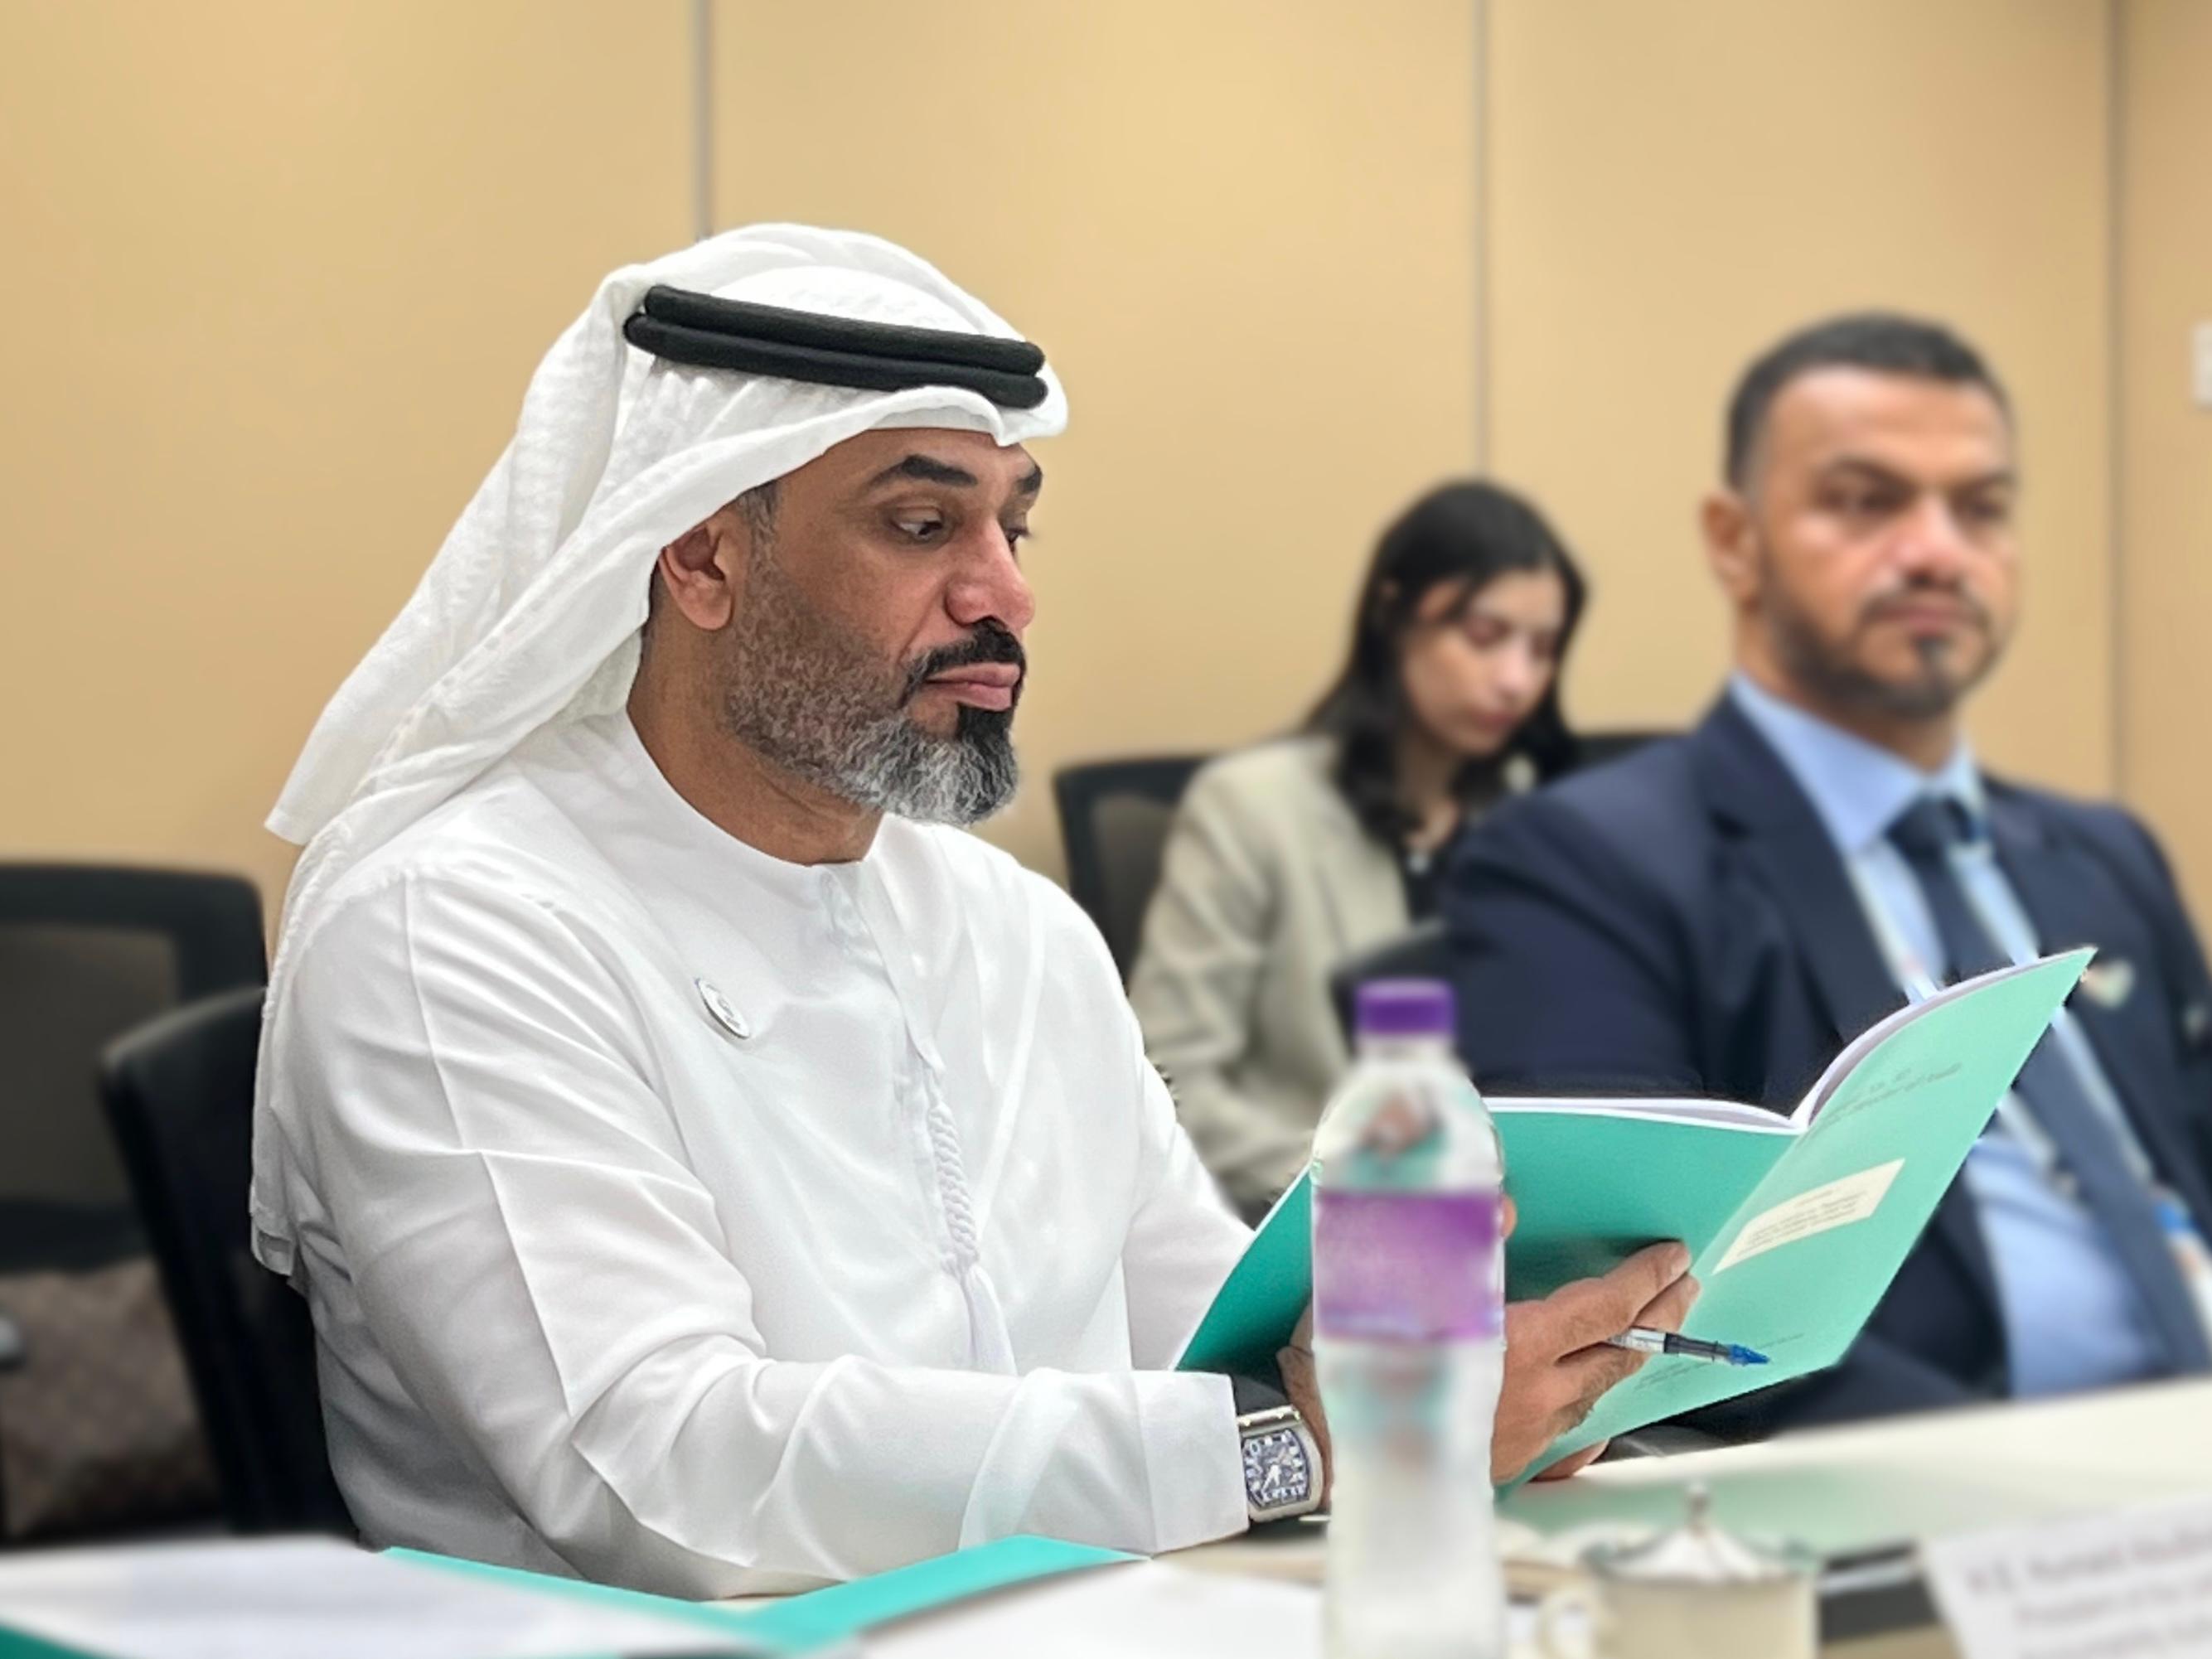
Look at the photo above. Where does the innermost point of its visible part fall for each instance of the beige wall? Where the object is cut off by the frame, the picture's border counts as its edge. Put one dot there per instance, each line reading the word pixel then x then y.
pixel 281 273
pixel 1242 230
pixel 276 276
pixel 1673 186
pixel 2165 472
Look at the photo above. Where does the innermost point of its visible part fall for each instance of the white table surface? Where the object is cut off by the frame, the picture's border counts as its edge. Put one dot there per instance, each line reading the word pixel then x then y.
pixel 1837 1489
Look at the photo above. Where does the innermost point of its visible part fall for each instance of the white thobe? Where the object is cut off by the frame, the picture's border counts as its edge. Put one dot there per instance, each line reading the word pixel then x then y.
pixel 605 1286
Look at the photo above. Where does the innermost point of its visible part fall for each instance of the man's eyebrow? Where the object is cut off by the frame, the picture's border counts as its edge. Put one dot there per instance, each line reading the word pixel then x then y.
pixel 2003 477
pixel 927 470
pixel 1860 463
pixel 1031 482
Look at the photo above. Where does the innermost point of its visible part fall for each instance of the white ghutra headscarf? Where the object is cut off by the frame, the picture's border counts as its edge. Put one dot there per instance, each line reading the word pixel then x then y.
pixel 529 613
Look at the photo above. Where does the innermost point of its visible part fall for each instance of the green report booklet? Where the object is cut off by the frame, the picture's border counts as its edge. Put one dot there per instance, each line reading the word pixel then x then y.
pixel 1796 1225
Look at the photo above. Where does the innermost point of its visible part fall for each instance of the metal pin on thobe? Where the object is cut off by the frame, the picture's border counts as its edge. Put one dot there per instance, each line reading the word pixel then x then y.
pixel 719 1006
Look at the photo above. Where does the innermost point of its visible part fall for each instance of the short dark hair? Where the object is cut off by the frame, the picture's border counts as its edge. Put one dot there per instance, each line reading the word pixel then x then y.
pixel 757 504
pixel 1883 341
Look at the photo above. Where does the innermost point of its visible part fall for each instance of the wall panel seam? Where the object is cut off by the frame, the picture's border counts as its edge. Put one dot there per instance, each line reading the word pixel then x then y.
pixel 702 119
pixel 1480 231
pixel 2115 390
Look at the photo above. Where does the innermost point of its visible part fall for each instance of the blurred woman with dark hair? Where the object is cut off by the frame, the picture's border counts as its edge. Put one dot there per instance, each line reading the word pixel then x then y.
pixel 1288 858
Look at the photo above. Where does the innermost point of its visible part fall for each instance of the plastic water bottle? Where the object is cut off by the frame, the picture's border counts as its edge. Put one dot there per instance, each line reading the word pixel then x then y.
pixel 1408 1267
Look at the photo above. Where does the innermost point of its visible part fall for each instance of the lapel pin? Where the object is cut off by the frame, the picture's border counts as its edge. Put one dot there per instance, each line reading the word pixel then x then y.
pixel 719 1006
pixel 2108 984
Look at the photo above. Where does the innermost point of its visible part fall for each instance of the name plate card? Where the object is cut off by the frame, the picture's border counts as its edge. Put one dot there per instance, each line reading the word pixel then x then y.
pixel 2133 1584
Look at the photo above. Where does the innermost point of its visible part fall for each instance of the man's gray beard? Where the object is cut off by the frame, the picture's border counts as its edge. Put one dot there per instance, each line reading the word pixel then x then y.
pixel 1831 677
pixel 893 765
pixel 807 696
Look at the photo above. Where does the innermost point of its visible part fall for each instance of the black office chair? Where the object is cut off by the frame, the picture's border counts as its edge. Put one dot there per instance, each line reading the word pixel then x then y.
pixel 180 1093
pixel 1114 822
pixel 87 952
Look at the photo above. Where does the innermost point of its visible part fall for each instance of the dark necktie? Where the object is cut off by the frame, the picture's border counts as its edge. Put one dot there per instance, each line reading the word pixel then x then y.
pixel 2087 1144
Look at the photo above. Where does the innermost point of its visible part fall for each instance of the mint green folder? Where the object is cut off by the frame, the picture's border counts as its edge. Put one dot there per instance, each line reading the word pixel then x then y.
pixel 1259 1305
pixel 1796 1225
pixel 1793 1235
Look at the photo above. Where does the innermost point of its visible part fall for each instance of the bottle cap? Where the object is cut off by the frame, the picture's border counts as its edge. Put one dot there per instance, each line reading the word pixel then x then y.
pixel 1405 1008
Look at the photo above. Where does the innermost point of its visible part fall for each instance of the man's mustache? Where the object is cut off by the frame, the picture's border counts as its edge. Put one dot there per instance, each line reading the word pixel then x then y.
pixel 1911 598
pixel 990 643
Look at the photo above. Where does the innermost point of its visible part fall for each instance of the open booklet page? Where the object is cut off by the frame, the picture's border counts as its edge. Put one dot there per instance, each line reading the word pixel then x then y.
pixel 1800 1261
pixel 1596 1180
pixel 1796 1222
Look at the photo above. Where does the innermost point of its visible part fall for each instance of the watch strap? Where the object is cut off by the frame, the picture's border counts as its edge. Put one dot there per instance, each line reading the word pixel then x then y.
pixel 1253 1396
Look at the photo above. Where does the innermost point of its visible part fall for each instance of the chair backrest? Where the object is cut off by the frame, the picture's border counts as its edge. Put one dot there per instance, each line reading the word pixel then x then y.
pixel 180 1093
pixel 1114 822
pixel 1417 953
pixel 1115 818
pixel 87 952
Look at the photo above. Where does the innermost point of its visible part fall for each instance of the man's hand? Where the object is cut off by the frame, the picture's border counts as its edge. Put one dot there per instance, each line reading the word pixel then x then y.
pixel 1297 1363
pixel 1556 1363
pixel 1556 1366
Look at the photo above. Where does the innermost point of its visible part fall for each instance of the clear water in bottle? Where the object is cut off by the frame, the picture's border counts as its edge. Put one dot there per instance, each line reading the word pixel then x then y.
pixel 1409 1268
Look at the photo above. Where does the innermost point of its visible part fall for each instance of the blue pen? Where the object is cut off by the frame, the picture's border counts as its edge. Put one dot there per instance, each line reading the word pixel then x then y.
pixel 1640 1339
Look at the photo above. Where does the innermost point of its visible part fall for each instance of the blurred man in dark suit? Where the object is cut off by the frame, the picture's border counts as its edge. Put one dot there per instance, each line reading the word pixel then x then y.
pixel 1718 914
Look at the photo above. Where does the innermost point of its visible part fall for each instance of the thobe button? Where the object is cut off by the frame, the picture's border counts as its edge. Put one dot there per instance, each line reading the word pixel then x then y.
pixel 719 1006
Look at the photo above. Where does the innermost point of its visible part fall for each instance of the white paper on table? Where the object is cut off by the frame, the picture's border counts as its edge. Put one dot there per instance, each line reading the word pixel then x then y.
pixel 1152 1608
pixel 2131 1584
pixel 310 1598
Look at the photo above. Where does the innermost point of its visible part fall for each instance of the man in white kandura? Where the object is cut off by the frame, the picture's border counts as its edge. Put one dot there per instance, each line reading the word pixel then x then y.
pixel 709 1172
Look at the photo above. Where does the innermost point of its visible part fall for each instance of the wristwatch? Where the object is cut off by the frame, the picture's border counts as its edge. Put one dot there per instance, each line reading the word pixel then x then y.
pixel 1282 1459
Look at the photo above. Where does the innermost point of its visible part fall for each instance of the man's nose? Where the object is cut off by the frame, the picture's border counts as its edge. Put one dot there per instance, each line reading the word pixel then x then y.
pixel 989 584
pixel 1932 544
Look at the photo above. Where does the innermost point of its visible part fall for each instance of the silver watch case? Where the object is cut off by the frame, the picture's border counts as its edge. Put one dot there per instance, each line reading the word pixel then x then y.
pixel 1282 1465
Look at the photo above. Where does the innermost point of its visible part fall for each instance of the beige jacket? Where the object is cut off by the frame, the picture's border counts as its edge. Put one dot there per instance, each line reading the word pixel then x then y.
pixel 1268 883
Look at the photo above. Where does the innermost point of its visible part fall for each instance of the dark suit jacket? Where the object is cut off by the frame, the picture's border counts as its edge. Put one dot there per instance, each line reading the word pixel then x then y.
pixel 1678 922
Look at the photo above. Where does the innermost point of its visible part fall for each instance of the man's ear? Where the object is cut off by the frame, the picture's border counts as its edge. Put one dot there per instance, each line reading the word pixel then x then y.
pixel 1731 543
pixel 697 573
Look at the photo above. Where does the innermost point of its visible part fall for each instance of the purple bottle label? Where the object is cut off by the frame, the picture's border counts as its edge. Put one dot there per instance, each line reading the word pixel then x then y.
pixel 1407 1267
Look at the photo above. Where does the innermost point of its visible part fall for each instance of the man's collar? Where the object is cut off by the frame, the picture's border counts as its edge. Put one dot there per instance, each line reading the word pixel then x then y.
pixel 1857 787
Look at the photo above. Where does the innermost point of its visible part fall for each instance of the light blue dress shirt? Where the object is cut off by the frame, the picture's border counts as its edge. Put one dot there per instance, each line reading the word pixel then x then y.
pixel 2073 1317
